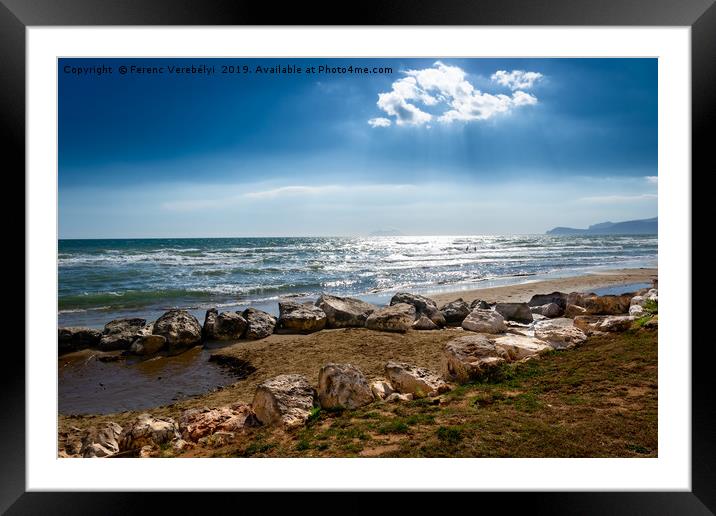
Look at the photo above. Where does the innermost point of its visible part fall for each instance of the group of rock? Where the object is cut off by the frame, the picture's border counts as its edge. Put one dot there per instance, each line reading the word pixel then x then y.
pixel 499 333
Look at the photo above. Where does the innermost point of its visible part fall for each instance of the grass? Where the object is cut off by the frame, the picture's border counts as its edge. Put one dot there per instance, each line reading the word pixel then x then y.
pixel 599 400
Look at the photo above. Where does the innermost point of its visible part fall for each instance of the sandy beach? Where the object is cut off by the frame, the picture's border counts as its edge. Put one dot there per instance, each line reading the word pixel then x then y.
pixel 368 350
pixel 524 291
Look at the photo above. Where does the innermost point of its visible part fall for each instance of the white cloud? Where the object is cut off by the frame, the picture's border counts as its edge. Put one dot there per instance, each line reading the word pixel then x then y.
pixel 379 122
pixel 291 190
pixel 617 199
pixel 516 79
pixel 652 179
pixel 446 86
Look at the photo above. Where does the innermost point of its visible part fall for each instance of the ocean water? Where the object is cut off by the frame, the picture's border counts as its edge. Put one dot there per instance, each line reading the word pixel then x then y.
pixel 103 279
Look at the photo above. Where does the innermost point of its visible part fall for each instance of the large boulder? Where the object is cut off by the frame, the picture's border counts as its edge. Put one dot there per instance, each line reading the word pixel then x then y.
pixel 259 324
pixel 518 312
pixel 485 321
pixel 455 311
pixel 470 357
pixel 637 301
pixel 607 305
pixel 559 333
pixel 121 333
pixel 410 379
pixel 197 423
pixel 148 344
pixel 550 310
pixel 179 327
pixel 344 312
pixel 637 311
pixel 423 323
pixel 344 386
pixel 381 389
pixel 300 317
pixel 616 323
pixel 147 430
pixel 589 324
pixel 102 441
pixel 423 306
pixel 558 298
pixel 520 347
pixel 74 338
pixel 573 311
pixel 285 400
pixel 229 326
pixel 396 318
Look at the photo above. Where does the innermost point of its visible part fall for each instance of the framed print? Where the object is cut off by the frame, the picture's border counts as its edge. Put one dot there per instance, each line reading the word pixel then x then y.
pixel 420 253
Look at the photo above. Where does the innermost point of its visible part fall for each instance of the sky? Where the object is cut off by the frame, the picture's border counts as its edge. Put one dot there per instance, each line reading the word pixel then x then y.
pixel 420 146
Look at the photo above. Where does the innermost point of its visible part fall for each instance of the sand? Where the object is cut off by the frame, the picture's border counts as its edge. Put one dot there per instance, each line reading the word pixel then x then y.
pixel 524 291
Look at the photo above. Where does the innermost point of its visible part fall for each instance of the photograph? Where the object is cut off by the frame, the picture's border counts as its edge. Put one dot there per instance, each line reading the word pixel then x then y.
pixel 392 257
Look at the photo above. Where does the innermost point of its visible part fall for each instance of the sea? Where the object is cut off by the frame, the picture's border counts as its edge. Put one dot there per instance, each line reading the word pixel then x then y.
pixel 101 280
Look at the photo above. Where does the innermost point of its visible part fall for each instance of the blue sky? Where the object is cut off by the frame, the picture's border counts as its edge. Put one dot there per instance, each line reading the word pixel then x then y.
pixel 437 146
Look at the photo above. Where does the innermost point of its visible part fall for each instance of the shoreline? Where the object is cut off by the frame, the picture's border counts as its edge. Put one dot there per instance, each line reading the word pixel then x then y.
pixel 522 292
pixel 499 289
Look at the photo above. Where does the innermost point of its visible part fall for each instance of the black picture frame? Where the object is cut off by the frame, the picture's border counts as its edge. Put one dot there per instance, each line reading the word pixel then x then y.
pixel 700 15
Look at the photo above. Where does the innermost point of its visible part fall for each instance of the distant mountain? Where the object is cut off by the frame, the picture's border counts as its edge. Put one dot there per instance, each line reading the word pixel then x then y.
pixel 386 232
pixel 629 227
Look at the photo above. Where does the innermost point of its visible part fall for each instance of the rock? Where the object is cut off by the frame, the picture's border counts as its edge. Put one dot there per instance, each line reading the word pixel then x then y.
pixel 179 327
pixel 423 306
pixel 559 333
pixel 396 396
pixel 455 311
pixel 470 357
pixel 149 451
pixel 207 331
pixel 343 385
pixel 344 312
pixel 381 389
pixel 259 324
pixel 607 305
pixel 485 321
pixel 284 400
pixel 479 303
pixel 637 311
pixel 75 338
pixel 101 442
pixel 520 347
pixel 147 345
pixel 229 326
pixel 557 298
pixel 120 333
pixel 148 430
pixel 420 382
pixel 637 301
pixel 549 310
pixel 573 311
pixel 300 317
pixel 588 323
pixel 538 317
pixel 180 445
pixel 423 323
pixel 197 423
pixel 518 312
pixel 575 298
pixel 616 323
pixel 397 318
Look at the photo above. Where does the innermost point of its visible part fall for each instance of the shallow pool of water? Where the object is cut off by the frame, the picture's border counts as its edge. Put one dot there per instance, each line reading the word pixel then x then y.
pixel 90 386
pixel 620 289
